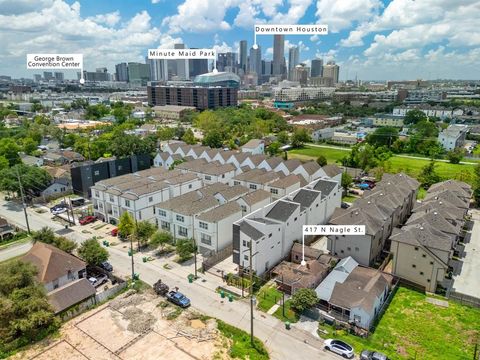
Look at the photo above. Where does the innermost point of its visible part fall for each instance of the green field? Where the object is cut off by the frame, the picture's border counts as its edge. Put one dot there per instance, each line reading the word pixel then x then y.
pixel 267 297
pixel 412 328
pixel 395 164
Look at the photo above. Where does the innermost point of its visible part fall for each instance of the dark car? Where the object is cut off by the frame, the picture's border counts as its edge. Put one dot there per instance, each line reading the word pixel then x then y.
pixel 87 220
pixel 344 205
pixel 372 355
pixel 178 299
pixel 106 266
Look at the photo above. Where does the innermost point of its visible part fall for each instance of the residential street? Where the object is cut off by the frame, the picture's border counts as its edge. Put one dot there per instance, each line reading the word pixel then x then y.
pixel 283 344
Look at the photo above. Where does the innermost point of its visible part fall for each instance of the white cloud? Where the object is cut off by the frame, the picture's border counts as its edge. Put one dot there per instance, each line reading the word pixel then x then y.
pixel 109 19
pixel 341 14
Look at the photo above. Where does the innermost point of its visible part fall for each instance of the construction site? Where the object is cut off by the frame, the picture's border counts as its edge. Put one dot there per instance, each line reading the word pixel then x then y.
pixel 134 326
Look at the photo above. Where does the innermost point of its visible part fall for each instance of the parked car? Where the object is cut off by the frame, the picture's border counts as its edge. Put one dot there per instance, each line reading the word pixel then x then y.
pixel 339 347
pixel 77 202
pixel 99 280
pixel 344 205
pixel 58 209
pixel 372 355
pixel 178 299
pixel 106 266
pixel 87 220
pixel 114 232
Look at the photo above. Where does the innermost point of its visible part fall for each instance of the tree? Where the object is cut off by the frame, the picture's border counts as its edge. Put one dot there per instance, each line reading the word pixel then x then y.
pixel 383 136
pixel 346 180
pixel 47 236
pixel 274 148
pixel 160 238
pixel 321 160
pixel 185 248
pixel 29 145
pixel 25 314
pixel 282 137
pixel 213 138
pixel 455 155
pixel 126 225
pixel 33 179
pixel 304 299
pixel 10 149
pixel 92 252
pixel 299 137
pixel 428 175
pixel 414 116
pixel 144 230
pixel 189 137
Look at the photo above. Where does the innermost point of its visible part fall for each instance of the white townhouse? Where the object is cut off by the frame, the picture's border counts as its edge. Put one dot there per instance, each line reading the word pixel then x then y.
pixel 271 163
pixel 256 179
pixel 210 172
pixel 254 146
pixel 165 160
pixel 284 186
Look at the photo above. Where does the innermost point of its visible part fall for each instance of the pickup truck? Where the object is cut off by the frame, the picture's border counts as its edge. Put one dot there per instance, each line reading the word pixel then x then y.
pixel 99 280
pixel 178 299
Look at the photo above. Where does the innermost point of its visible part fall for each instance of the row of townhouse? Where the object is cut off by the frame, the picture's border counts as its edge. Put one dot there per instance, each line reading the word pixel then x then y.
pixel 381 209
pixel 423 249
pixel 207 214
pixel 241 161
pixel 272 229
pixel 137 193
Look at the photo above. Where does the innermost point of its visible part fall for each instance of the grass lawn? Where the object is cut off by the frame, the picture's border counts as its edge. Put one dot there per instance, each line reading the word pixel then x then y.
pixel 349 198
pixel 290 315
pixel 240 347
pixel 421 193
pixel 268 296
pixel 396 164
pixel 413 328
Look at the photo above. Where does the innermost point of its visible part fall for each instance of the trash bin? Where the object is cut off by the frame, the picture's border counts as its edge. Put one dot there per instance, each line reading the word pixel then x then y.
pixel 222 294
pixel 129 252
pixel 230 297
pixel 144 259
pixel 287 325
pixel 190 278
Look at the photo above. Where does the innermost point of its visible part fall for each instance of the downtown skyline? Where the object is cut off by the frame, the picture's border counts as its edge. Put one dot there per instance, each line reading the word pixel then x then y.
pixel 370 39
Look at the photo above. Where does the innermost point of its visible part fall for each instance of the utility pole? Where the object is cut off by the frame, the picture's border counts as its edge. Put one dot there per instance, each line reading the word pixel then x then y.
pixel 195 256
pixel 68 213
pixel 23 201
pixel 133 265
pixel 283 298
pixel 252 298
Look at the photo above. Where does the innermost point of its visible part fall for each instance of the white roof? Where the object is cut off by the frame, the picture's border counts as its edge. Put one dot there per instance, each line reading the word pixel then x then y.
pixel 338 274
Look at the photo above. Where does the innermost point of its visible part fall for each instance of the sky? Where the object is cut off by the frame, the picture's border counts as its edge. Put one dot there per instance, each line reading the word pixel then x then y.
pixel 369 39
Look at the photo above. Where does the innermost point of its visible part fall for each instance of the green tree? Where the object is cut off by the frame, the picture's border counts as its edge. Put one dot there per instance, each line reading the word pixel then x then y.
pixel 25 314
pixel 189 137
pixel 321 160
pixel 29 145
pixel 456 155
pixel 414 116
pixel 160 238
pixel 126 225
pixel 346 180
pixel 274 148
pixel 304 299
pixel 428 175
pixel 144 230
pixel 185 248
pixel 282 137
pixel 165 133
pixel 47 236
pixel 92 252
pixel 213 139
pixel 9 149
pixel 299 137
pixel 383 136
pixel 33 178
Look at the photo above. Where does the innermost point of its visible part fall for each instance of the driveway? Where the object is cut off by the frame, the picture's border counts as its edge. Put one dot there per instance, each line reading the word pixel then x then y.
pixel 468 282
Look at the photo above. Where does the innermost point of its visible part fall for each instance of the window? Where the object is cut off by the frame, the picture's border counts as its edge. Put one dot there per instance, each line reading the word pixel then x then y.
pixel 349 248
pixel 70 275
pixel 270 235
pixel 295 219
pixel 205 239
pixel 182 231
pixel 243 207
pixel 208 177
pixel 111 198
pixel 180 218
pixel 274 191
pixel 127 203
pixel 341 251
pixel 223 176
pixel 97 194
pixel 414 266
pixel 253 186
pixel 189 186
pixel 236 182
pixel 356 248
pixel 165 225
pixel 162 213
pixel 245 257
pixel 428 280
pixel 96 172
pixel 424 255
pixel 203 225
pixel 139 215
pixel 120 167
pixel 150 199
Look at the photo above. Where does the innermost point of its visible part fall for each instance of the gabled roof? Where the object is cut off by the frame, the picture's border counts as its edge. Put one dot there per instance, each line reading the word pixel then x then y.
pixel 252 144
pixel 282 210
pixel 311 167
pixel 70 294
pixel 51 262
pixel 250 231
pixel 325 186
pixel 355 216
pixel 306 197
pixel 286 182
pixel 292 164
pixel 423 234
pixel 256 196
pixel 220 212
pixel 332 170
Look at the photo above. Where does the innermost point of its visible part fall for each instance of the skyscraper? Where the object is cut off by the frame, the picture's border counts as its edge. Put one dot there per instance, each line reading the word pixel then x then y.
pixel 317 68
pixel 256 60
pixel 182 65
pixel 138 73
pixel 121 72
pixel 58 76
pixel 48 75
pixel 197 67
pixel 331 70
pixel 293 60
pixel 243 55
pixel 158 69
pixel 227 62
pixel 278 55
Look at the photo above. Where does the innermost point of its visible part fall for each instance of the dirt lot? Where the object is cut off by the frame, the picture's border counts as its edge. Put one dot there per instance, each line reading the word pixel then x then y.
pixel 134 326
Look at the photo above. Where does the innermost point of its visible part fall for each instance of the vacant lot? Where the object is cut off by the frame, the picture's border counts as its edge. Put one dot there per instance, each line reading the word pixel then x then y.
pixel 136 326
pixel 413 328
pixel 408 165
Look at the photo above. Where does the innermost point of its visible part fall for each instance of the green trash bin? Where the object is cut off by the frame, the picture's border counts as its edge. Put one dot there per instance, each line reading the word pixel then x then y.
pixel 144 259
pixel 190 279
pixel 287 325
pixel 230 297
pixel 222 294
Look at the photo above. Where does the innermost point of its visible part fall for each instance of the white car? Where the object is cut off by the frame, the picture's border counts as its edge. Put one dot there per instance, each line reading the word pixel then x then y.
pixel 58 210
pixel 339 347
